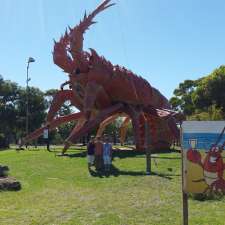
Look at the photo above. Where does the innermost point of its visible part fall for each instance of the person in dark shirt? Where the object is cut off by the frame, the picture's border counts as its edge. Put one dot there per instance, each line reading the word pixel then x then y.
pixel 91 152
pixel 98 154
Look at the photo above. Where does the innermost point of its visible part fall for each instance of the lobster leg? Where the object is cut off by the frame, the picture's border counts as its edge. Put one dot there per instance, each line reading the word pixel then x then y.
pixel 123 130
pixel 95 95
pixel 135 114
pixel 167 116
pixel 90 124
pixel 173 127
pixel 79 125
pixel 52 125
pixel 59 98
pixel 106 122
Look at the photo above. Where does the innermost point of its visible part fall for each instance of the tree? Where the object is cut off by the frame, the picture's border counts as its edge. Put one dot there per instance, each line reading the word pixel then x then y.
pixel 13 109
pixel 202 99
pixel 182 100
pixel 212 113
pixel 37 107
pixel 211 91
pixel 8 97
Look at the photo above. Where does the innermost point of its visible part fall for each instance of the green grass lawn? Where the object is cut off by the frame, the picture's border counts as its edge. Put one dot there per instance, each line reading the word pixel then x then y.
pixel 60 190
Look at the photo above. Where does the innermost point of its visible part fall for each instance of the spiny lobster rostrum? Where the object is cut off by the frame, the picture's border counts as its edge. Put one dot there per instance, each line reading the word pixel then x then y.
pixel 102 92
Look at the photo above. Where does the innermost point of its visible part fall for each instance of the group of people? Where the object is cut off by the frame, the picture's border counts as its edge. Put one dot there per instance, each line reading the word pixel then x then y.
pixel 99 153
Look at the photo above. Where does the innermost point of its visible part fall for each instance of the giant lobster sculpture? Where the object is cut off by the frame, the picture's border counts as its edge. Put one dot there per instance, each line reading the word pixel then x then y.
pixel 102 92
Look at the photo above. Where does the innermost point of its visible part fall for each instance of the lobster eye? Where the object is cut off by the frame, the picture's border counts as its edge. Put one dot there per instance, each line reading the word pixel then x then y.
pixel 77 71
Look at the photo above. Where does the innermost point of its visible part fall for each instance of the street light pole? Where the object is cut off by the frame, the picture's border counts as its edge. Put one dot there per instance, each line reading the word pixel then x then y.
pixel 30 60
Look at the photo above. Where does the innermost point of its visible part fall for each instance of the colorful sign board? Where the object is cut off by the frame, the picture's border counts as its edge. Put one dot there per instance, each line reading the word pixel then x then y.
pixel 203 144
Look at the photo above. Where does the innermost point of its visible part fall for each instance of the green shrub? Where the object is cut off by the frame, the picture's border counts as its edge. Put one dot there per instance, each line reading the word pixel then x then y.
pixel 3 141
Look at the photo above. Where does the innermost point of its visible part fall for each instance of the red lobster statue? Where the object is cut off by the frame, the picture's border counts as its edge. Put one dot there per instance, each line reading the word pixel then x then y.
pixel 102 92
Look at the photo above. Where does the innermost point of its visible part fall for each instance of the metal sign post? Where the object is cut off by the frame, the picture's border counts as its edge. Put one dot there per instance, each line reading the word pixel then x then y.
pixel 185 208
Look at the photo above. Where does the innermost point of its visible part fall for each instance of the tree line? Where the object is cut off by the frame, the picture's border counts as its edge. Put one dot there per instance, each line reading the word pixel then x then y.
pixel 201 99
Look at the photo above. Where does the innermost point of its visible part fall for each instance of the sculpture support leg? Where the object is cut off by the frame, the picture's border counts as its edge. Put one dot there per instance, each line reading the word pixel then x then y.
pixel 92 124
pixel 123 130
pixel 134 114
pixel 95 95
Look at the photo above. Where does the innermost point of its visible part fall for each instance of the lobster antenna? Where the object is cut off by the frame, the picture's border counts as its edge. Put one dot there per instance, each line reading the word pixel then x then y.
pixel 88 20
pixel 76 34
pixel 72 40
pixel 220 136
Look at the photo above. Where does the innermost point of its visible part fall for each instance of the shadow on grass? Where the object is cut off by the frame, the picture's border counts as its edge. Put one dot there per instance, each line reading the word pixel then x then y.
pixel 157 157
pixel 114 171
pixel 27 149
pixel 74 155
pixel 116 153
pixel 168 176
pixel 126 153
pixel 121 153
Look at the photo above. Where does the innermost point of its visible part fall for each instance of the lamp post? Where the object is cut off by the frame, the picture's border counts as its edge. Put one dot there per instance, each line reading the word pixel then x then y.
pixel 30 60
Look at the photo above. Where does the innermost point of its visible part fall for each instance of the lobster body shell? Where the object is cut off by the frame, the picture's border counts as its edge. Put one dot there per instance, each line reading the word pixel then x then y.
pixel 120 84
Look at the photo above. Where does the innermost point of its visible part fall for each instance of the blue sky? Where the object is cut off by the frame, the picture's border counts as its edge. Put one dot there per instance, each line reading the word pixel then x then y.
pixel 165 41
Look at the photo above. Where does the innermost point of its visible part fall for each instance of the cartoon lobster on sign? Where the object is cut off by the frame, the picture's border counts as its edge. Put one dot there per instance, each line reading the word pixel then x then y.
pixel 102 92
pixel 213 167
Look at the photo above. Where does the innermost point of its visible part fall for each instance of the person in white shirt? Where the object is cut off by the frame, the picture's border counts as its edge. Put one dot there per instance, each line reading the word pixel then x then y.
pixel 107 154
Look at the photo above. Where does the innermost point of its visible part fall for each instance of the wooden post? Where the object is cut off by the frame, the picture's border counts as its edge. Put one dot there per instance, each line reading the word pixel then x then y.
pixel 185 208
pixel 184 194
pixel 147 148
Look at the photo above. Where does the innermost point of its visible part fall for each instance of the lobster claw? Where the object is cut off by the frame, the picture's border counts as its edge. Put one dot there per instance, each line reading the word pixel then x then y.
pixel 194 156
